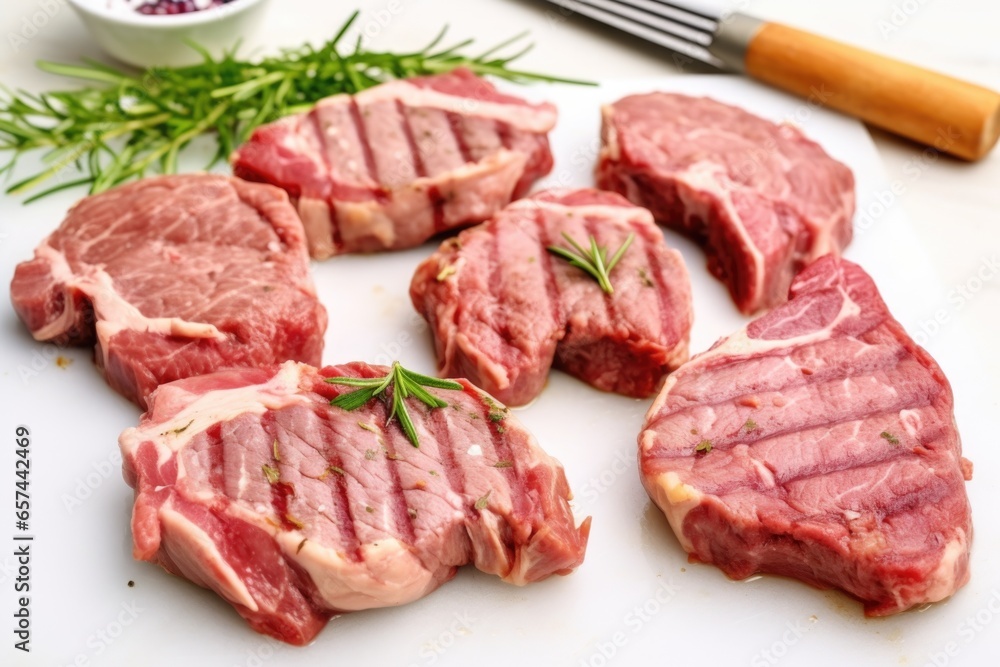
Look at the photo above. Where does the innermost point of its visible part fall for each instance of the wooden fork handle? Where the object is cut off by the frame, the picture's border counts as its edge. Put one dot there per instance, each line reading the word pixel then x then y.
pixel 951 115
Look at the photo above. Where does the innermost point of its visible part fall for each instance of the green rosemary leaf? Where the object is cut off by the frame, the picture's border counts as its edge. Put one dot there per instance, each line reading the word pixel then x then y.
pixel 405 384
pixel 158 112
pixel 593 260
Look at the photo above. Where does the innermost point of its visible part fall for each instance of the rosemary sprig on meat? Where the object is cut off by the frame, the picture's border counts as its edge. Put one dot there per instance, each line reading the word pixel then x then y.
pixel 404 384
pixel 594 260
pixel 122 124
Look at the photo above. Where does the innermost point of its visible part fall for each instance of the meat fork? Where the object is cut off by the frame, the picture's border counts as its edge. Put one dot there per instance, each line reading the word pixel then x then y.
pixel 951 115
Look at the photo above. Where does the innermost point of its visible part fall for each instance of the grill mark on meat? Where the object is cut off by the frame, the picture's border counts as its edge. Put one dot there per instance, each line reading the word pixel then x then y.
pixel 437 201
pixel 779 490
pixel 400 510
pixel 455 123
pixel 342 517
pixel 503 132
pixel 338 239
pixel 325 154
pixel 544 256
pixel 280 492
pixel 663 289
pixel 433 192
pixel 503 452
pixel 366 147
pixel 453 473
pixel 890 455
pixel 495 287
pixel 216 458
pixel 886 361
pixel 324 145
pixel 590 227
pixel 904 402
pixel 411 142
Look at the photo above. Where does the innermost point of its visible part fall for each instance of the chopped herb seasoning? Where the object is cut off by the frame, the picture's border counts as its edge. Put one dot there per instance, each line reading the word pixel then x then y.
pixel 893 440
pixel 336 469
pixel 370 454
pixel 271 474
pixel 750 426
pixel 503 464
pixel 433 473
pixel 369 509
pixel 644 277
pixel 703 447
pixel 484 501
pixel 178 431
pixel 274 450
pixel 443 274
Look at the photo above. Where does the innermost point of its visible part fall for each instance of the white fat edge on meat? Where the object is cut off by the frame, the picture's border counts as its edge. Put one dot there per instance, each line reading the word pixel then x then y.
pixel 200 548
pixel 213 407
pixel 316 220
pixel 114 314
pixel 521 116
pixel 943 581
pixel 61 273
pixel 619 214
pixel 676 499
pixel 611 150
pixel 389 573
pixel 709 177
pixel 740 344
pixel 371 218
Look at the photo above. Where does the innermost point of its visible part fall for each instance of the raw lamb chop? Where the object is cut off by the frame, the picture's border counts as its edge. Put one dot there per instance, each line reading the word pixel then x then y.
pixel 761 198
pixel 175 276
pixel 250 483
pixel 819 443
pixel 503 309
pixel 394 165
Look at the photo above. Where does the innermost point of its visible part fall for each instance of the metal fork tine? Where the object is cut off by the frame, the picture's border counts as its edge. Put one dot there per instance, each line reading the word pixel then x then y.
pixel 677 37
pixel 677 13
pixel 626 9
pixel 714 19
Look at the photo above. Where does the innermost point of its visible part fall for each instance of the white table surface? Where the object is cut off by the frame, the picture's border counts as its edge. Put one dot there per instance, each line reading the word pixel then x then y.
pixel 953 206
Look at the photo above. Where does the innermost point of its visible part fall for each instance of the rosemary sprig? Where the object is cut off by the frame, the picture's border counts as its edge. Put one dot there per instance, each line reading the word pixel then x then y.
pixel 593 260
pixel 122 125
pixel 404 384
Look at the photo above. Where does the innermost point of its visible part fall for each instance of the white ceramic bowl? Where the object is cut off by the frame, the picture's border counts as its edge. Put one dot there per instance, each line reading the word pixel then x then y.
pixel 147 40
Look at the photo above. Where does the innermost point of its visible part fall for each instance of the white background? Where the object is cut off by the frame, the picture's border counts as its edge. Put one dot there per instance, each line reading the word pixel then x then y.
pixel 949 208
